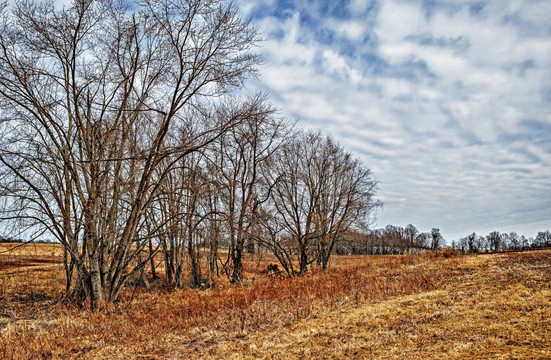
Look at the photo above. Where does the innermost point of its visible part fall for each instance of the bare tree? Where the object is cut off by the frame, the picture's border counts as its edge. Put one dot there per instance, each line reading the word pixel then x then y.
pixel 472 243
pixel 186 209
pixel 274 238
pixel 543 239
pixel 240 161
pixel 505 242
pixel 346 197
pixel 411 233
pixel 178 212
pixel 494 240
pixel 514 240
pixel 92 98
pixel 422 240
pixel 436 239
pixel 320 192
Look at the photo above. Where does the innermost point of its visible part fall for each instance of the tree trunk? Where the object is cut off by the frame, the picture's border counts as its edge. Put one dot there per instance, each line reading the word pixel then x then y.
pixel 152 261
pixel 195 280
pixel 303 261
pixel 213 259
pixel 96 290
pixel 237 259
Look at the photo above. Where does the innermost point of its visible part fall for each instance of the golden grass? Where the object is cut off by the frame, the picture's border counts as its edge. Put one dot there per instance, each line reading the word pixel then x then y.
pixel 31 249
pixel 403 307
pixel 498 308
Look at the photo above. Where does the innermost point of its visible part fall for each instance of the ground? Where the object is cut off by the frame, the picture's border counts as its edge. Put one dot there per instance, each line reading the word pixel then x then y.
pixel 448 306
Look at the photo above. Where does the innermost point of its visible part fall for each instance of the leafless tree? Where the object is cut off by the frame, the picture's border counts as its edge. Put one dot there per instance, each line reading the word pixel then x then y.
pixel 436 239
pixel 514 240
pixel 275 239
pixel 177 214
pixel 240 161
pixel 472 244
pixel 416 238
pixel 320 193
pixel 186 208
pixel 494 240
pixel 543 239
pixel 92 101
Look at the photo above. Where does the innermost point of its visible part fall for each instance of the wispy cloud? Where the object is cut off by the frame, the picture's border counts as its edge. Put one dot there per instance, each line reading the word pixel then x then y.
pixel 448 102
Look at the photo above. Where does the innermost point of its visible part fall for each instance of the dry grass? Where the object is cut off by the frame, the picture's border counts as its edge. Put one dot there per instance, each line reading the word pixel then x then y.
pixel 498 308
pixel 423 306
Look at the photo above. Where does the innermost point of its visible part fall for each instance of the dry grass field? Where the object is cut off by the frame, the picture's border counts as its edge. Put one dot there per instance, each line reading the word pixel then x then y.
pixel 494 306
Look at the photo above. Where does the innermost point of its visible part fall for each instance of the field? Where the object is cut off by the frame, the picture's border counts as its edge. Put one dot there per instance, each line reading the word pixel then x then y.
pixel 428 306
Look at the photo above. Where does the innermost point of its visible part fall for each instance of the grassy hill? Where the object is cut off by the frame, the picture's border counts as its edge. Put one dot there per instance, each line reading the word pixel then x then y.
pixel 491 306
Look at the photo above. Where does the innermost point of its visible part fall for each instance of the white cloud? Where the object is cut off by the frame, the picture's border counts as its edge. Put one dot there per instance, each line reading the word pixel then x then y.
pixel 358 6
pixel 334 63
pixel 435 108
pixel 353 30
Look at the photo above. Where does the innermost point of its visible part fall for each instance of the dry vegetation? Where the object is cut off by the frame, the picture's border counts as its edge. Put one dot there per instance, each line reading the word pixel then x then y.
pixel 423 306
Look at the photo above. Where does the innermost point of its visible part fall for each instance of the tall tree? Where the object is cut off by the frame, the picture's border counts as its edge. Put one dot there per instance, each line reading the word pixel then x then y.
pixel 436 239
pixel 240 161
pixel 543 239
pixel 471 243
pixel 514 240
pixel 92 99
pixel 494 240
pixel 412 234
pixel 320 191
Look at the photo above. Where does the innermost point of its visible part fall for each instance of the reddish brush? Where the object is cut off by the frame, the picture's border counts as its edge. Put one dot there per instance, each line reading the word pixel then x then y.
pixel 34 324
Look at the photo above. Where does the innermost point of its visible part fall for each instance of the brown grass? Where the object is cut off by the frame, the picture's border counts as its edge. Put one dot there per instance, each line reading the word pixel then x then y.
pixel 422 306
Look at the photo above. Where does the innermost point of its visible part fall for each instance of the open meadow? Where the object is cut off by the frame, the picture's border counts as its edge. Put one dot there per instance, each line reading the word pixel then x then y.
pixel 205 179
pixel 447 305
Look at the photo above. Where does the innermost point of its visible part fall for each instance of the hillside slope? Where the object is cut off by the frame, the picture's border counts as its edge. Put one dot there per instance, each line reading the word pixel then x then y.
pixel 428 306
pixel 498 308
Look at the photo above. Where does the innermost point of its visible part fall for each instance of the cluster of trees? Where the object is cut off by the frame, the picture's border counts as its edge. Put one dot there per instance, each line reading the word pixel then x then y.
pixel 390 240
pixel 124 137
pixel 9 240
pixel 19 241
pixel 401 240
pixel 496 241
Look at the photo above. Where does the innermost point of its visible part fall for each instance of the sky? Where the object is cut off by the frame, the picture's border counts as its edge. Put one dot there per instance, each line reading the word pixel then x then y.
pixel 447 102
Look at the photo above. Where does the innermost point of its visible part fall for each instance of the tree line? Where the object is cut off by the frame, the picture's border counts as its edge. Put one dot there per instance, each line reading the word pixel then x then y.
pixel 390 240
pixel 126 137
pixel 496 241
pixel 402 240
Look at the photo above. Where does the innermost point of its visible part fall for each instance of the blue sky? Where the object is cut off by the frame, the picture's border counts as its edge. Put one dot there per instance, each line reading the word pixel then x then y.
pixel 448 102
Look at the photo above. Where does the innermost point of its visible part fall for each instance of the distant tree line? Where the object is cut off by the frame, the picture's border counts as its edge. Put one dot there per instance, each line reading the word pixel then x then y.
pixel 10 240
pixel 496 241
pixel 20 241
pixel 401 240
pixel 389 240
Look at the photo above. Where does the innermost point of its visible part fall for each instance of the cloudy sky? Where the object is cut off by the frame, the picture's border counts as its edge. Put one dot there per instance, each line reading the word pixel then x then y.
pixel 448 102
